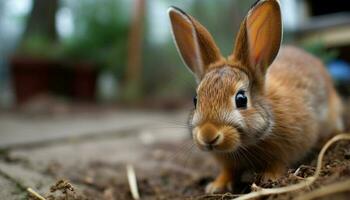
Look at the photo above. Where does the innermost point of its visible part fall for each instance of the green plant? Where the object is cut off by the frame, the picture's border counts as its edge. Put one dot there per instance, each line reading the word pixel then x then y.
pixel 319 49
pixel 38 45
pixel 100 33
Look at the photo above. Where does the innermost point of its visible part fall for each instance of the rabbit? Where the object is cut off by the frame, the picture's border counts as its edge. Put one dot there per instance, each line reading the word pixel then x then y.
pixel 262 108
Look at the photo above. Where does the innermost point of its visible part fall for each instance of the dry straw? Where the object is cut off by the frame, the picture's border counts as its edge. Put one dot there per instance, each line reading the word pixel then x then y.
pixel 339 187
pixel 326 190
pixel 323 191
pixel 132 182
pixel 35 194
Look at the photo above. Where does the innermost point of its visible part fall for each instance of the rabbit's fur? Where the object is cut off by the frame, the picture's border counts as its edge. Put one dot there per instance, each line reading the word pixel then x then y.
pixel 291 104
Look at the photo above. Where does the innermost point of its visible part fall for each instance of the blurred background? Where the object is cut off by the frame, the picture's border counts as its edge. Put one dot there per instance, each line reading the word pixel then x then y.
pixel 87 86
pixel 120 52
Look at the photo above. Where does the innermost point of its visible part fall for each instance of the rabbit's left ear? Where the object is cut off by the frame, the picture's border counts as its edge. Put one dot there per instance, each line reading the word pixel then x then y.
pixel 194 43
pixel 260 36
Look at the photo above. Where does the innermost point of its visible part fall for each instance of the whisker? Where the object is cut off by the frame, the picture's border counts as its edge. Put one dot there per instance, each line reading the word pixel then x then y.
pixel 246 157
pixel 189 155
pixel 165 127
pixel 183 150
pixel 174 122
pixel 249 151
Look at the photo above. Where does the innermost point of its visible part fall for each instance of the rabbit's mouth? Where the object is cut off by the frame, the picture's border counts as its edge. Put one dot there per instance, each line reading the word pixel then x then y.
pixel 210 137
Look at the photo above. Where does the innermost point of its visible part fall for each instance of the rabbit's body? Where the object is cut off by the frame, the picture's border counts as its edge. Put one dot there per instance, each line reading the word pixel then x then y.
pixel 303 80
pixel 255 111
pixel 303 108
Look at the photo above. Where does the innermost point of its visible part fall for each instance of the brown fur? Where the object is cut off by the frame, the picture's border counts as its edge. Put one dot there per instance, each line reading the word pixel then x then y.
pixel 292 103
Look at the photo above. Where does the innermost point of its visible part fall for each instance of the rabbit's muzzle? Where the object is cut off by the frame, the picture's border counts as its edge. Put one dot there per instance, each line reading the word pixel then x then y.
pixel 219 138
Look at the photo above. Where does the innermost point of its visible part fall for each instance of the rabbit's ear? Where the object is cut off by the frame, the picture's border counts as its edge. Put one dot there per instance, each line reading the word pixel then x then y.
pixel 260 36
pixel 195 44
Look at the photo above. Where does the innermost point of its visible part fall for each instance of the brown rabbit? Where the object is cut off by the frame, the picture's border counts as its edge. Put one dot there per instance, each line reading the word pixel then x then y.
pixel 255 110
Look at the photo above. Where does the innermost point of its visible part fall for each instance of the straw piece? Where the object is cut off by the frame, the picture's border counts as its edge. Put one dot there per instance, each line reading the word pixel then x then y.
pixel 306 182
pixel 326 190
pixel 132 182
pixel 35 194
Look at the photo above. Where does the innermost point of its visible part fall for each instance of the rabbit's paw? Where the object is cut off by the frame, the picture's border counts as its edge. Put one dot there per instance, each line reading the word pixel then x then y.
pixel 218 186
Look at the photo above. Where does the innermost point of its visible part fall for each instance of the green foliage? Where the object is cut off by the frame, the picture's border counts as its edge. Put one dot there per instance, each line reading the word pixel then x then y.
pixel 319 49
pixel 38 45
pixel 131 92
pixel 100 33
pixel 164 74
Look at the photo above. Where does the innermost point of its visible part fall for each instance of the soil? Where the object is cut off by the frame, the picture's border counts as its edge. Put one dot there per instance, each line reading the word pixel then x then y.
pixel 179 171
pixel 185 177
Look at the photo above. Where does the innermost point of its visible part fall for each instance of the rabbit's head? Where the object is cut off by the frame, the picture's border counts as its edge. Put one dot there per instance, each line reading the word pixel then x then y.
pixel 230 107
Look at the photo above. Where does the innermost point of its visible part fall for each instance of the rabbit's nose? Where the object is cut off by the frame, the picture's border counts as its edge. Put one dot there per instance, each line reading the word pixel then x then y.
pixel 208 135
pixel 214 140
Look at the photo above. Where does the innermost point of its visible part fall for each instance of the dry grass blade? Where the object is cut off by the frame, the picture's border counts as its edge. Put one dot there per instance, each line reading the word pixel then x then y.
pixel 132 182
pixel 35 194
pixel 326 190
pixel 304 183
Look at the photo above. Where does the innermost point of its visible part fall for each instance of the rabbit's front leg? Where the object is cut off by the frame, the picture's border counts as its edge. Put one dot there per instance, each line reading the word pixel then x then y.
pixel 222 183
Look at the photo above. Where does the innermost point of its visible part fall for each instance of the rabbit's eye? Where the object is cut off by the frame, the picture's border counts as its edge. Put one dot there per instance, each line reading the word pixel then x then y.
pixel 195 101
pixel 241 99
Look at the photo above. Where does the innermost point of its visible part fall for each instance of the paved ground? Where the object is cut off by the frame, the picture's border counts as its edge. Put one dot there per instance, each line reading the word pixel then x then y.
pixel 31 147
pixel 91 149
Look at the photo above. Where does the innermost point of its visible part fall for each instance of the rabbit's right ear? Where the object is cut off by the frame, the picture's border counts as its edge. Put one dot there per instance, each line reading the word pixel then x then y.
pixel 195 44
pixel 259 38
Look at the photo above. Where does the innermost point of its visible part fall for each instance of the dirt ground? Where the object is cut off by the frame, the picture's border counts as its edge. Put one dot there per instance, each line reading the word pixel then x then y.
pixel 185 177
pixel 179 171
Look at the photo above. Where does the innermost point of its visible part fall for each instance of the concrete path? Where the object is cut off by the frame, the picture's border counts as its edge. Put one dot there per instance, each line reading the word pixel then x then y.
pixel 32 147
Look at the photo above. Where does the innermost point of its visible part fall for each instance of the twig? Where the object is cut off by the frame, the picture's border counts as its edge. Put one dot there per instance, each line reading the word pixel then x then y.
pixel 306 182
pixel 326 190
pixel 35 194
pixel 132 182
pixel 297 171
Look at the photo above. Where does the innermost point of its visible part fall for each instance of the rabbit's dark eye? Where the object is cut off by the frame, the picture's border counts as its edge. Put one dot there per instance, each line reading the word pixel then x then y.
pixel 195 101
pixel 241 99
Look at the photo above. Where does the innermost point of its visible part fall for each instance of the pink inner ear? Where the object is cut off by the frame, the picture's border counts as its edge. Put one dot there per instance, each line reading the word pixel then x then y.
pixel 256 60
pixel 259 58
pixel 264 33
pixel 256 52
